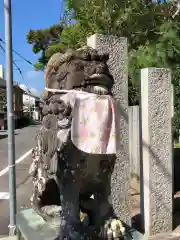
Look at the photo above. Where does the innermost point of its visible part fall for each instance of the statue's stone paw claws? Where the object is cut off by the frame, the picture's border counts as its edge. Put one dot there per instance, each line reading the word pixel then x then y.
pixel 114 229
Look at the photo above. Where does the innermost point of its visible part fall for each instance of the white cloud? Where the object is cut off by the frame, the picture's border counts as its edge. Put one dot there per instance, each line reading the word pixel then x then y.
pixel 32 74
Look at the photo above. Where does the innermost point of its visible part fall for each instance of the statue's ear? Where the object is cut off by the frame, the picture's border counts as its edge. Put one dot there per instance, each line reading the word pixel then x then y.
pixel 60 76
pixel 55 79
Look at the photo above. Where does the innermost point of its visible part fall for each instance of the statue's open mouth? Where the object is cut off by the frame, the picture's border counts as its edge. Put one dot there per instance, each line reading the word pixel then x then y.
pixel 98 75
pixel 101 76
pixel 100 80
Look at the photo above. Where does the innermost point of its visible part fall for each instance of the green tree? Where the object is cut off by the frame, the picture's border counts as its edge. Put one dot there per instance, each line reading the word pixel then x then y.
pixel 153 36
pixel 41 40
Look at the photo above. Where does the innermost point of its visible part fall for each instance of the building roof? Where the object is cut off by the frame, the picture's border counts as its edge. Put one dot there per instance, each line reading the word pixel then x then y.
pixel 28 91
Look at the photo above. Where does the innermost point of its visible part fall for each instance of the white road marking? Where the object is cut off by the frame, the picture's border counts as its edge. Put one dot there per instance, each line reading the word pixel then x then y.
pixel 5 170
pixel 4 195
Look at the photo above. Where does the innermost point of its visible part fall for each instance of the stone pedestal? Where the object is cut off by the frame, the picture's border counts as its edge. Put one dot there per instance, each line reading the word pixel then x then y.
pixel 32 226
pixel 120 182
pixel 156 114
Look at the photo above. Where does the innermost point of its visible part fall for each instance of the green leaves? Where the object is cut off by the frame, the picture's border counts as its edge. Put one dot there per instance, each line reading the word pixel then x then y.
pixel 41 40
pixel 153 36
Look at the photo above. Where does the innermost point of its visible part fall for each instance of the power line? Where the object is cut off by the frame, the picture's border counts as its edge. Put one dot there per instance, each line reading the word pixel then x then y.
pixel 2 52
pixel 26 60
pixel 20 72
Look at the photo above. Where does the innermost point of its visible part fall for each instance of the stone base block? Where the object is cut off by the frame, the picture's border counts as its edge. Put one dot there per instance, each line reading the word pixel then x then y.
pixel 165 236
pixel 32 226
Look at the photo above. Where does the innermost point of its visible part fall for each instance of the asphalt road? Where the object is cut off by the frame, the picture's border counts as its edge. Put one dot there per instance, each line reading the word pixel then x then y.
pixel 24 141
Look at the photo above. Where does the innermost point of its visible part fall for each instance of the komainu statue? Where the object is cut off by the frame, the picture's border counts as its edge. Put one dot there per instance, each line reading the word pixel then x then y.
pixel 76 147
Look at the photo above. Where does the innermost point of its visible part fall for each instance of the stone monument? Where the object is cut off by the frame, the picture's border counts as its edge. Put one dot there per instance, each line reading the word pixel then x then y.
pixel 156 139
pixel 116 48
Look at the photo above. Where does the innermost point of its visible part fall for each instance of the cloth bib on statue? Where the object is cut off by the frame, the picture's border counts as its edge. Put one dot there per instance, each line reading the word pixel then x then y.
pixel 95 124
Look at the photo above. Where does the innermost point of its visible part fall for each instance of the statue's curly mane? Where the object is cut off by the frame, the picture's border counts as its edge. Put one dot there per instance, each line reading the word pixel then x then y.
pixel 85 53
pixel 83 62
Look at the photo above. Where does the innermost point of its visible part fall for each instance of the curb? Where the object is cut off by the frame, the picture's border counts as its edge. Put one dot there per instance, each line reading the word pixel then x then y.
pixel 9 238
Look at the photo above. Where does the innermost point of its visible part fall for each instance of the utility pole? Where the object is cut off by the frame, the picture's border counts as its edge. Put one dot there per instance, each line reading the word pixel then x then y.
pixel 10 117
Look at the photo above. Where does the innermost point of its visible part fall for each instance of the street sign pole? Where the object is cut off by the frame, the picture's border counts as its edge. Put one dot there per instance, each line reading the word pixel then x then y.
pixel 10 117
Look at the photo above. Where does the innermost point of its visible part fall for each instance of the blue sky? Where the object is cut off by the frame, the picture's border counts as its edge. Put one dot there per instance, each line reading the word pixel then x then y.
pixel 26 15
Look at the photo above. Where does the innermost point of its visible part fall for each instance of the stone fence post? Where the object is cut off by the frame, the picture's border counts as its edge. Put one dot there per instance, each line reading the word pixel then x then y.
pixel 120 182
pixel 134 144
pixel 157 166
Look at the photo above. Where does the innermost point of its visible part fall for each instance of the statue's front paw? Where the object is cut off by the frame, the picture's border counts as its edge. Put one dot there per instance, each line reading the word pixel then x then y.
pixel 114 229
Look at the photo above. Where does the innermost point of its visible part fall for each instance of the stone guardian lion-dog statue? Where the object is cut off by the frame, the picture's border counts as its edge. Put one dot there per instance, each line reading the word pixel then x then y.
pixel 76 147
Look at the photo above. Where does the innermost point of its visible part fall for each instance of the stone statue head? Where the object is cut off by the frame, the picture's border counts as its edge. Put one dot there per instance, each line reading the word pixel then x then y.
pixel 78 69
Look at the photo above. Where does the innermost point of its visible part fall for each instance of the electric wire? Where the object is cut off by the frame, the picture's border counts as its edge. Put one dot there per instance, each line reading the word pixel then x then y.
pixel 18 68
pixel 26 60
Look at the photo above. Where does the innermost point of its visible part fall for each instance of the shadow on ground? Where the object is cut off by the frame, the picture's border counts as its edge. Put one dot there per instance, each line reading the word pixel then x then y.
pixel 5 134
pixel 137 221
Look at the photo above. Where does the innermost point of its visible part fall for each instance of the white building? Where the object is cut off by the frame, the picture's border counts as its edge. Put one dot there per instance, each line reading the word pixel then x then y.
pixel 30 102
